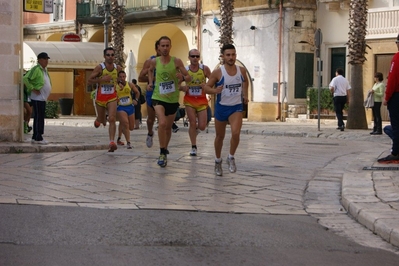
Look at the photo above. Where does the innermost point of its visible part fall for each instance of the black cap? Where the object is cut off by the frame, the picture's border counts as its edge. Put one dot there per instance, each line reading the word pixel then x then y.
pixel 43 55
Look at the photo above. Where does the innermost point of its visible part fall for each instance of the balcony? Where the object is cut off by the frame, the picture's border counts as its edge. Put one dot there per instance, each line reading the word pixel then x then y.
pixel 138 10
pixel 382 23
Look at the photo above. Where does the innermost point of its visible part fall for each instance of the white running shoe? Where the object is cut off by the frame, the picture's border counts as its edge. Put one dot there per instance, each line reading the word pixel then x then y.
pixel 149 141
pixel 40 142
pixel 218 168
pixel 232 165
pixel 128 146
pixel 193 152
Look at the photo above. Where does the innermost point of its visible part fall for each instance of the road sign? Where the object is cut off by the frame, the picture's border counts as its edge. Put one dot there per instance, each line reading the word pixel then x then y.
pixel 38 6
pixel 70 37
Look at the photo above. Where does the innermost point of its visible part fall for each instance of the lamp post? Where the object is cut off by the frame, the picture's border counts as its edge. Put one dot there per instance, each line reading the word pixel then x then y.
pixel 107 12
pixel 318 39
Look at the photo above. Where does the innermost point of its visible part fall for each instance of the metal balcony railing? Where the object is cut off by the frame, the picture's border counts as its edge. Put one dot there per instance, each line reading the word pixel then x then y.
pixel 90 9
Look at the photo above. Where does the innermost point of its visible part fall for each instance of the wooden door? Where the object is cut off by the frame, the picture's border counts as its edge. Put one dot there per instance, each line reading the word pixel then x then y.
pixel 83 104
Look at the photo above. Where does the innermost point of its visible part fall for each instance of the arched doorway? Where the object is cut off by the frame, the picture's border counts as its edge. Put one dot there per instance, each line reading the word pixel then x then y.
pixel 180 47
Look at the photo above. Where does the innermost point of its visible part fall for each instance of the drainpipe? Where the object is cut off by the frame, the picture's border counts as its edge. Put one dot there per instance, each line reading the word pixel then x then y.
pixel 199 23
pixel 279 61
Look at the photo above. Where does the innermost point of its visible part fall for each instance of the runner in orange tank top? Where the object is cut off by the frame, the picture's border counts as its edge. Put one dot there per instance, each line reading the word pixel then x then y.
pixel 105 75
pixel 195 99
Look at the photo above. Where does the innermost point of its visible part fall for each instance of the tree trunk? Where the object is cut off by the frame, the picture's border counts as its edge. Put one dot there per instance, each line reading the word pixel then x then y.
pixel 356 113
pixel 118 28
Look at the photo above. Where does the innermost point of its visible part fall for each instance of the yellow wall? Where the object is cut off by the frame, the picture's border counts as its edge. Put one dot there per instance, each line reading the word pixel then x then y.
pixel 262 112
pixel 62 84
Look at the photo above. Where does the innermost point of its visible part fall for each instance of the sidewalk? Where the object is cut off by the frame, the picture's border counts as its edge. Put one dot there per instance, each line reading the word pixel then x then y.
pixel 370 194
pixel 86 138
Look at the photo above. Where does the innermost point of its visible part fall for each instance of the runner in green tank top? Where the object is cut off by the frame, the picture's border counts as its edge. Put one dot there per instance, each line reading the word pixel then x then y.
pixel 166 89
pixel 170 73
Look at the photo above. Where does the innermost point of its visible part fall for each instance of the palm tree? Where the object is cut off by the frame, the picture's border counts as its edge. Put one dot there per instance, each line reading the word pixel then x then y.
pixel 357 49
pixel 226 24
pixel 118 28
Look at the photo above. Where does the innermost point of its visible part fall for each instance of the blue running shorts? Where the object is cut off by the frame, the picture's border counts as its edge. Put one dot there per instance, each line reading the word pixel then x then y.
pixel 223 112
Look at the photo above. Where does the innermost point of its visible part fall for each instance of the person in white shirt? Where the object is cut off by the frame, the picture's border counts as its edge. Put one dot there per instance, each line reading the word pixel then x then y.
pixel 340 88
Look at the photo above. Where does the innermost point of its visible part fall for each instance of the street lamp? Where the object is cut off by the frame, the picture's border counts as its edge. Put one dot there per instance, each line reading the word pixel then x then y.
pixel 107 11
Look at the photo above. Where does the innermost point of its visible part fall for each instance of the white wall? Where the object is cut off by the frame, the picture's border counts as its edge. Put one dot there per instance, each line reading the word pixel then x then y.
pixel 256 49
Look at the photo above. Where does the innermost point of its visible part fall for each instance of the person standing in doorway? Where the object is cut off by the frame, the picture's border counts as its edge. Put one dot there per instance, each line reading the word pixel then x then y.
pixel 27 111
pixel 106 76
pixel 170 72
pixel 231 91
pixel 378 92
pixel 38 84
pixel 340 88
pixel 195 99
pixel 392 101
pixel 143 77
pixel 137 107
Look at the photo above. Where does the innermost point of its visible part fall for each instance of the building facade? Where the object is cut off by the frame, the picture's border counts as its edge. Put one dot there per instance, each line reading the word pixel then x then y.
pixel 275 43
pixel 10 49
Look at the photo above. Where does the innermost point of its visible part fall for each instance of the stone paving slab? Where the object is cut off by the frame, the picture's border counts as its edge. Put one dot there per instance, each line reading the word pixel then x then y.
pixel 371 197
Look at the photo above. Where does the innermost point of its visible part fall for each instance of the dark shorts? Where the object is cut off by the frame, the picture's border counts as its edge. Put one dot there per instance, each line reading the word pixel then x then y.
pixel 170 108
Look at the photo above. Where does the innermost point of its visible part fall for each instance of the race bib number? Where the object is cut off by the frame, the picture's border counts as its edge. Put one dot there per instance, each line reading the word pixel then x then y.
pixel 234 89
pixel 125 100
pixel 107 89
pixel 195 91
pixel 166 87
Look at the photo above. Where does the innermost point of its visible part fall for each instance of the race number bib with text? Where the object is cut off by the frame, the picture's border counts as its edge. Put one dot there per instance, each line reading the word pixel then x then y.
pixel 167 87
pixel 195 91
pixel 107 89
pixel 233 89
pixel 125 100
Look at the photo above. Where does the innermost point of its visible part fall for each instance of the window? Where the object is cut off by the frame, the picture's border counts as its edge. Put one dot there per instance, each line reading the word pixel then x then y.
pixel 58 11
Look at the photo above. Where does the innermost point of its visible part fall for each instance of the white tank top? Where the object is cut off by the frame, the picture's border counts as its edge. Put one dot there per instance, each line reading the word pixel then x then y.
pixel 232 88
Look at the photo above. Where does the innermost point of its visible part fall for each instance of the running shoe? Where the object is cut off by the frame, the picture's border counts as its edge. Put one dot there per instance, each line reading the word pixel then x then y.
pixel 29 129
pixel 119 142
pixel 112 147
pixel 162 161
pixel 218 168
pixel 97 124
pixel 198 131
pixel 128 146
pixel 232 165
pixel 193 152
pixel 389 159
pixel 40 142
pixel 175 128
pixel 149 141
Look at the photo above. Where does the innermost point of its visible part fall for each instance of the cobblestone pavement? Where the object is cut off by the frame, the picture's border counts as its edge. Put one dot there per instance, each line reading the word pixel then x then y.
pixel 283 168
